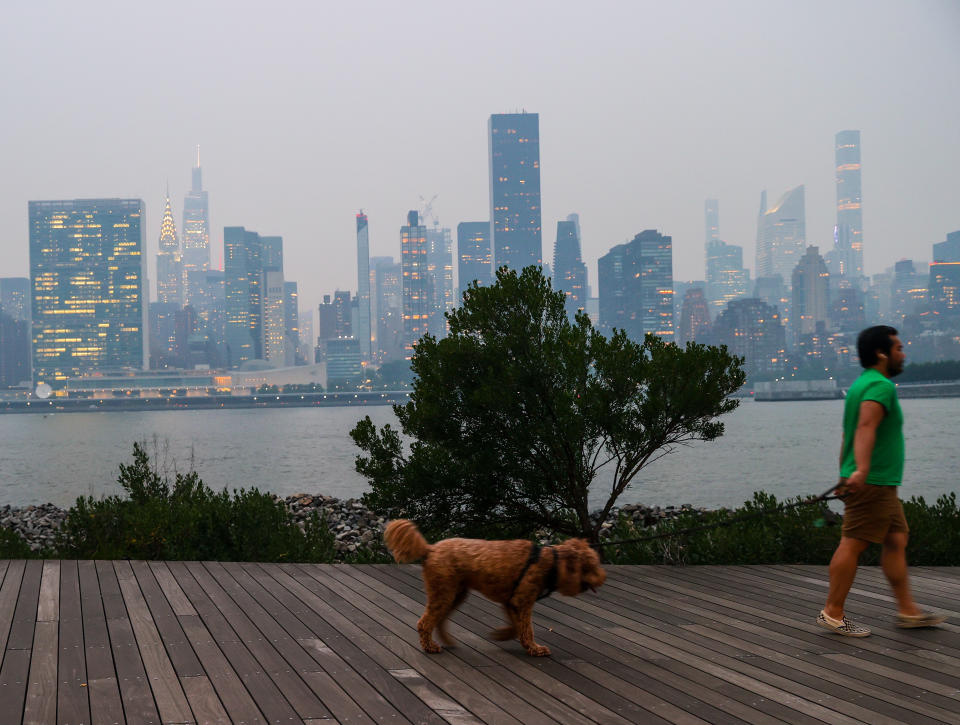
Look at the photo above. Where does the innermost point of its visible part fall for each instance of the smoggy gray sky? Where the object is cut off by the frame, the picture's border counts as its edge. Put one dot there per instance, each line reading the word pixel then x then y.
pixel 307 111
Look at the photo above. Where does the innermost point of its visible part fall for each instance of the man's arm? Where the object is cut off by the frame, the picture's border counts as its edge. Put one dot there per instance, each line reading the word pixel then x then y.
pixel 870 416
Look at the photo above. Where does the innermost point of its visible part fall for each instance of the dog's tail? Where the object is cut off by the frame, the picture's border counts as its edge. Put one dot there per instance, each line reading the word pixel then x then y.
pixel 405 541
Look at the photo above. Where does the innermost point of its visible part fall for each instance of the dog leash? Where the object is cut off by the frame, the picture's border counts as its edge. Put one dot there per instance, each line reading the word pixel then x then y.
pixel 825 496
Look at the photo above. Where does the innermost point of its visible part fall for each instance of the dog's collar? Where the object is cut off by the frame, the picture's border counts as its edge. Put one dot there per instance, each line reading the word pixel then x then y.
pixel 549 583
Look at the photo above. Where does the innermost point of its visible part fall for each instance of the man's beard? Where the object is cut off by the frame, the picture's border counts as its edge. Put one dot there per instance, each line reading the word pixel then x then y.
pixel 894 372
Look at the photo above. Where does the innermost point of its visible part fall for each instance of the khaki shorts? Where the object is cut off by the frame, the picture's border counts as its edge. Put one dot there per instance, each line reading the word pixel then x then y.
pixel 873 513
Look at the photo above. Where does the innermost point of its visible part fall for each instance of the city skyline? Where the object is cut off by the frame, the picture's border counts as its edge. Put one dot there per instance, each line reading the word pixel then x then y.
pixel 280 162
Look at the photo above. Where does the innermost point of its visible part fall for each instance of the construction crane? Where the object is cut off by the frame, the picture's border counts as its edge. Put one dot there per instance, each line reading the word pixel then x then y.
pixel 427 209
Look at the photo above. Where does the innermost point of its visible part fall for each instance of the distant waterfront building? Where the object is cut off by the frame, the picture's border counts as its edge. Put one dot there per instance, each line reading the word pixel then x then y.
pixel 416 281
pixel 342 357
pixel 726 278
pixel 291 311
pixel 909 290
pixel 474 254
pixel 515 208
pixel 570 273
pixel 694 317
pixel 14 350
pixel 162 327
pixel 849 234
pixel 243 292
pixel 750 328
pixel 275 348
pixel 196 224
pixel 364 318
pixel 944 287
pixel 387 291
pixel 811 293
pixel 847 309
pixel 781 234
pixel 636 286
pixel 949 250
pixel 15 297
pixel 711 214
pixel 170 276
pixel 88 275
pixel 440 282
pixel 775 293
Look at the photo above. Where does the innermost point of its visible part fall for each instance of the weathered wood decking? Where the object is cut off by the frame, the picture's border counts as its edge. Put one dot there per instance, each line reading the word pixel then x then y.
pixel 173 642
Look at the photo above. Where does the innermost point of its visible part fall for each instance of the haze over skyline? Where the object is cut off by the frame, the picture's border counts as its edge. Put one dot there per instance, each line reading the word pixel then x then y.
pixel 308 113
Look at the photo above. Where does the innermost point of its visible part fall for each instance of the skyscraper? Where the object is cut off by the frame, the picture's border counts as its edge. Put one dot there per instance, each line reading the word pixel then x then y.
pixel 570 273
pixel 711 214
pixel 636 286
pixel 849 233
pixel 514 144
pixel 949 249
pixel 15 297
pixel 170 277
pixel 751 329
pixel 475 258
pixel 243 295
pixel 196 224
pixel 88 274
pixel 416 291
pixel 694 316
pixel 811 293
pixel 726 278
pixel 387 293
pixel 440 271
pixel 781 234
pixel 363 287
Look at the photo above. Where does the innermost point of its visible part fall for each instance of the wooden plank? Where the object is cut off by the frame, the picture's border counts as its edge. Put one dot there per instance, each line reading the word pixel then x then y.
pixel 178 648
pixel 13 683
pixel 380 695
pixel 168 694
pixel 102 682
pixel 261 687
pixel 73 704
pixel 41 702
pixel 262 637
pixel 9 594
pixel 138 702
pixel 333 696
pixel 178 601
pixel 204 703
pixel 226 683
pixel 48 608
pixel 25 613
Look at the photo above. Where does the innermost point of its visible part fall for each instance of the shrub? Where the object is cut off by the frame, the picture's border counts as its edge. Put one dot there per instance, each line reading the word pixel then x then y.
pixel 12 545
pixel 187 520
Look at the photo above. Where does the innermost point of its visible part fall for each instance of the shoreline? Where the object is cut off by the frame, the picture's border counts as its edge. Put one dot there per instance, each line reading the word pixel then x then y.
pixel 202 402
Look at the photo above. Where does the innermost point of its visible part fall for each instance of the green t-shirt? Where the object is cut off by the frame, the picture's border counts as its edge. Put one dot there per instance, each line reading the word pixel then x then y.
pixel 886 463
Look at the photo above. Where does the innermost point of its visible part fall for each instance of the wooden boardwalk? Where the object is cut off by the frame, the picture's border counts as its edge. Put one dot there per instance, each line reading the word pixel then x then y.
pixel 186 642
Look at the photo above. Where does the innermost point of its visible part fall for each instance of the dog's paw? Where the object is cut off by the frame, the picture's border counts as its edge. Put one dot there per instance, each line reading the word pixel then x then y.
pixel 432 648
pixel 538 650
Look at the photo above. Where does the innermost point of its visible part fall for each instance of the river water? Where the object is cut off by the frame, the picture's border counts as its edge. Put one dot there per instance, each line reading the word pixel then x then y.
pixel 785 448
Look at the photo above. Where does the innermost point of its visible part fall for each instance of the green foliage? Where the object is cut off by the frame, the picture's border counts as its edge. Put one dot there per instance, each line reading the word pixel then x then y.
pixel 801 535
pixel 944 370
pixel 185 519
pixel 12 545
pixel 515 412
pixel 393 375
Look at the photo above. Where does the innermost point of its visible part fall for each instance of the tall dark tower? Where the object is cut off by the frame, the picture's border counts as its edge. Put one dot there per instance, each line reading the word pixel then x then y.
pixel 363 286
pixel 196 224
pixel 515 228
pixel 849 235
pixel 569 271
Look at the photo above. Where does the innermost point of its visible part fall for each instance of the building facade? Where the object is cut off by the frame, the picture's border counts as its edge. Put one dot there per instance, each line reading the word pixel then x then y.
pixel 196 225
pixel 781 234
pixel 726 278
pixel 475 259
pixel 751 329
pixel 440 271
pixel 694 317
pixel 636 287
pixel 170 276
pixel 364 318
pixel 415 280
pixel 811 293
pixel 515 209
pixel 569 271
pixel 89 287
pixel 849 232
pixel 243 295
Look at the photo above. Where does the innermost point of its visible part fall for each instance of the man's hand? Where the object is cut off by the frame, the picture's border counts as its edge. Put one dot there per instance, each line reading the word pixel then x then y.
pixel 857 482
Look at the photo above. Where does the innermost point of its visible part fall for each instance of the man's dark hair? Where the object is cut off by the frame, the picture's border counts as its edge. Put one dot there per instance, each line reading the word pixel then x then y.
pixel 874 340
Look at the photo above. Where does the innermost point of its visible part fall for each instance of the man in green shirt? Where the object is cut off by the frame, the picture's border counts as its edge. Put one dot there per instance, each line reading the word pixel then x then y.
pixel 871 469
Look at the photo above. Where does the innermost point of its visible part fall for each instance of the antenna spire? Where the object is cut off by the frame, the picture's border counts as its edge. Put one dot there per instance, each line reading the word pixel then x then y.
pixel 198 156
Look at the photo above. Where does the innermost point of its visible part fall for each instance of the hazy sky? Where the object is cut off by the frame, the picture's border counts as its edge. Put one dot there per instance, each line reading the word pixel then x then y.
pixel 305 112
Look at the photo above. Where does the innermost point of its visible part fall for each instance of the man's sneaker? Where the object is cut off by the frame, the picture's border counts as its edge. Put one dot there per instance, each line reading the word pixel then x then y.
pixel 841 626
pixel 924 619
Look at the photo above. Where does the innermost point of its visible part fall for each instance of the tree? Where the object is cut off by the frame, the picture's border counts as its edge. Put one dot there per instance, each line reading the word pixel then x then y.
pixel 513 415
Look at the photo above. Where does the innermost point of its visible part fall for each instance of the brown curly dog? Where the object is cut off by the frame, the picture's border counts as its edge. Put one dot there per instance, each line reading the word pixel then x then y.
pixel 512 573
